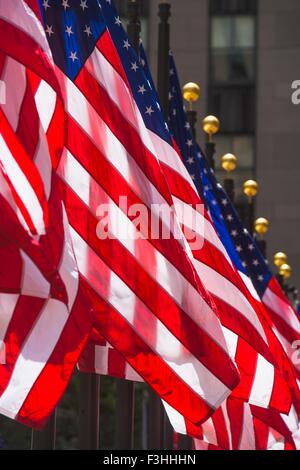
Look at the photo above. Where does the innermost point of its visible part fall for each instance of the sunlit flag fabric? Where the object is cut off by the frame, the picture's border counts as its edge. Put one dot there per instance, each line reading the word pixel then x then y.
pixel 222 210
pixel 148 300
pixel 246 332
pixel 43 325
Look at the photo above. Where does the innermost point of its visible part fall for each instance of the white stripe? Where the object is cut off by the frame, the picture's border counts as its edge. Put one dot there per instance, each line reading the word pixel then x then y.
pixel 33 282
pixel 209 432
pixel 22 186
pixel 101 359
pixel 15 80
pixel 43 162
pixel 247 439
pixel 45 99
pixel 262 387
pixel 8 304
pixel 176 419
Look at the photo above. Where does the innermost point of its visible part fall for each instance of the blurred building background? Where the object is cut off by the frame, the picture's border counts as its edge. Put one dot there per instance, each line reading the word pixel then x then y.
pixel 245 54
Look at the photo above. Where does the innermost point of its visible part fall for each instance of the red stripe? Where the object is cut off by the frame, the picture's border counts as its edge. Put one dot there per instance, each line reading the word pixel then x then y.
pixel 28 129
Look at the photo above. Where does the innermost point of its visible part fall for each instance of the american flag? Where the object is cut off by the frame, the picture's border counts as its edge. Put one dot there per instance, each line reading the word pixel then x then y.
pixel 251 265
pixel 149 303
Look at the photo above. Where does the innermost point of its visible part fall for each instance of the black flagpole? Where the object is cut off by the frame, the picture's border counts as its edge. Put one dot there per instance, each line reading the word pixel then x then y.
pixel 89 411
pixel 45 439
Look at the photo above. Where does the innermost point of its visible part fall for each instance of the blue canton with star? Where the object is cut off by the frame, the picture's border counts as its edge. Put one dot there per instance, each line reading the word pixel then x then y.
pixel 73 27
pixel 241 247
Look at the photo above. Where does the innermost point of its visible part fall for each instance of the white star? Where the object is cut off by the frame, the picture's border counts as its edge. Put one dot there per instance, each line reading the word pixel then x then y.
pixel 260 278
pixel 214 202
pixel 69 30
pixel 134 66
pixel 88 30
pixel 174 112
pixel 244 264
pixel 170 96
pixel 73 56
pixel 49 30
pixel 187 125
pixel 172 71
pixel 229 217
pixel 205 171
pixel 83 4
pixel 190 161
pixel 189 143
pixel 193 177
pixel 206 187
pixel 245 231
pixel 219 185
pixel 118 21
pixel 46 4
pixel 251 247
pixel 255 262
pixel 221 217
pixel 234 233
pixel 142 89
pixel 65 4
pixel 143 62
pixel 149 110
pixel 224 202
pixel 239 248
pixel 126 44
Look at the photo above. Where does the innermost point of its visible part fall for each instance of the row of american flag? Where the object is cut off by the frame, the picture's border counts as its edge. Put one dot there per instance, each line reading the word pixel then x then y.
pixel 209 329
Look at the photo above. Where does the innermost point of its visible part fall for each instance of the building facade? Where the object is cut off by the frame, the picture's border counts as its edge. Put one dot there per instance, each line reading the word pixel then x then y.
pixel 245 55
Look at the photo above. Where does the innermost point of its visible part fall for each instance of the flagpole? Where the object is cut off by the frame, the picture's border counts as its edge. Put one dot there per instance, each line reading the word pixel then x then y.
pixel 124 434
pixel 45 439
pixel 210 125
pixel 158 426
pixel 89 411
pixel 125 392
pixel 229 164
pixel 164 13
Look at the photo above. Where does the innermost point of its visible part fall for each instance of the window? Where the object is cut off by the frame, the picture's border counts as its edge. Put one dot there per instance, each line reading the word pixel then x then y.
pixel 232 43
pixel 232 84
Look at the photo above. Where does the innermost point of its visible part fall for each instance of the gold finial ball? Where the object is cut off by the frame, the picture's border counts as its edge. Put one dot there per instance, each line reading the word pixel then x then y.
pixel 261 225
pixel 191 92
pixel 285 271
pixel 280 259
pixel 211 125
pixel 250 188
pixel 229 162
